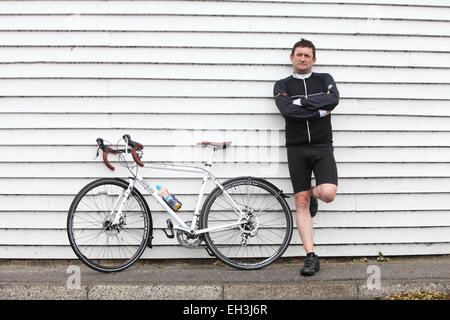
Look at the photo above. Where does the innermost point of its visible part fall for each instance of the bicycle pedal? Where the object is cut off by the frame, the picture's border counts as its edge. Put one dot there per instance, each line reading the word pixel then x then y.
pixel 169 233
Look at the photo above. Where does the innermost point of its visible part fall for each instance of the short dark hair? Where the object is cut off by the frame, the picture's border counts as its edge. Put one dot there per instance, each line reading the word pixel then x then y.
pixel 303 43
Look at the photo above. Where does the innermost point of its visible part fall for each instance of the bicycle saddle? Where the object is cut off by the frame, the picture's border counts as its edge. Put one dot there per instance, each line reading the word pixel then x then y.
pixel 216 145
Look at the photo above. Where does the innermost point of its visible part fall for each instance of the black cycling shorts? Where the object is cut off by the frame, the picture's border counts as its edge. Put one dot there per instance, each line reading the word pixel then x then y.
pixel 305 159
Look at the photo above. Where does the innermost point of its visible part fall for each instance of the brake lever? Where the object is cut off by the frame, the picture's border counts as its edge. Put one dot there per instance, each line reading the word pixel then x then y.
pixel 98 152
pixel 101 145
pixel 126 138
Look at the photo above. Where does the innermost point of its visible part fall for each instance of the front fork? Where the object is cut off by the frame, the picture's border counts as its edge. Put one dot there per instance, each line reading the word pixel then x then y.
pixel 119 204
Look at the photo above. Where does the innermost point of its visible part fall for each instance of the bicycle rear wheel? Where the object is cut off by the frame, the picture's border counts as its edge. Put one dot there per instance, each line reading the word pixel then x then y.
pixel 98 243
pixel 267 230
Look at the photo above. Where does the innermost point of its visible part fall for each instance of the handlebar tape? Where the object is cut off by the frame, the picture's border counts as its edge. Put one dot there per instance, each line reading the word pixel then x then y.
pixel 135 156
pixel 106 161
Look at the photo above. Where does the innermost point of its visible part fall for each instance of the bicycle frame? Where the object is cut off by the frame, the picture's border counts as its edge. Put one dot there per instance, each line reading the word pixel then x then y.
pixel 181 225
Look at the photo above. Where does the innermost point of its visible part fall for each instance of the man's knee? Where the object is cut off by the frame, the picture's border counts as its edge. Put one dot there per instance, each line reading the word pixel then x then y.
pixel 302 199
pixel 328 196
pixel 327 193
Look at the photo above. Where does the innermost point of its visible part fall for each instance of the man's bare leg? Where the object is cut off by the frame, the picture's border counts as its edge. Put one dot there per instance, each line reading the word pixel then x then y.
pixel 304 220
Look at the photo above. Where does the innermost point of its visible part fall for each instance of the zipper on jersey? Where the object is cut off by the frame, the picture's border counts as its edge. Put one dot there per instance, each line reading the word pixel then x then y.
pixel 309 133
pixel 307 122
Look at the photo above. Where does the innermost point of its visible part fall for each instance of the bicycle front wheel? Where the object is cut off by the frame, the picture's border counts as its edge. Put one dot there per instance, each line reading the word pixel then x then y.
pixel 266 232
pixel 96 240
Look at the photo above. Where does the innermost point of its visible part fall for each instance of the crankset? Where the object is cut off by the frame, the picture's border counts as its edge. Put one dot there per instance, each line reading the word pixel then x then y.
pixel 188 240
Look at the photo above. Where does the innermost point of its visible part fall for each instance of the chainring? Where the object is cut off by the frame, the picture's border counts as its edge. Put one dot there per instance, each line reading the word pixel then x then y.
pixel 187 240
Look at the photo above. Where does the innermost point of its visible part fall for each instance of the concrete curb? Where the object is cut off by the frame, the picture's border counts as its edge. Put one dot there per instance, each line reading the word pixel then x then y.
pixel 292 291
pixel 156 292
pixel 320 290
pixel 395 286
pixel 41 292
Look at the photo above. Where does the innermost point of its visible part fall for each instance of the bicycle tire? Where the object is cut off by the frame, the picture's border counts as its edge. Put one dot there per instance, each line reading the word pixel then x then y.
pixel 270 241
pixel 87 221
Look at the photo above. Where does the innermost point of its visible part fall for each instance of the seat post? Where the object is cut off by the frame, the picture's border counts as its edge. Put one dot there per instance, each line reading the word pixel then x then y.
pixel 211 155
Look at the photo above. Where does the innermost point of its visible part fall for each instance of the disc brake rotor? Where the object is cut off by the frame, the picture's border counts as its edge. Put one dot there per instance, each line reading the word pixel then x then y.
pixel 111 230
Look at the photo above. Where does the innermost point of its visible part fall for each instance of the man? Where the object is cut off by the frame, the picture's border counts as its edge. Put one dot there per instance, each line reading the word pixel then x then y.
pixel 306 99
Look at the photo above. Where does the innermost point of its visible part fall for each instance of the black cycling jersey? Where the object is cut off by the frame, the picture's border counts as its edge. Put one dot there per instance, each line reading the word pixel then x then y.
pixel 304 124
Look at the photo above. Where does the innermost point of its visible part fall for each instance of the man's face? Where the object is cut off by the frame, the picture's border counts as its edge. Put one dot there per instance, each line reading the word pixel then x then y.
pixel 302 60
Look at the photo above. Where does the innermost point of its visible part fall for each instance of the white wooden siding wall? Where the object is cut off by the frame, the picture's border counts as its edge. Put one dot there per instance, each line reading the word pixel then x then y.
pixel 172 73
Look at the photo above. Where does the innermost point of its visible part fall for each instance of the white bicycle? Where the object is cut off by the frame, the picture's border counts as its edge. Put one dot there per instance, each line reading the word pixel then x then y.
pixel 245 222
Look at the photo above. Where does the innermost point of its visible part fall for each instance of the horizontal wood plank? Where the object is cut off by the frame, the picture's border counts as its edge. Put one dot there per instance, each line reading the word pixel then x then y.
pixel 224 23
pixel 345 202
pixel 227 8
pixel 322 236
pixel 191 186
pixel 236 155
pixel 93 170
pixel 169 252
pixel 199 105
pixel 260 40
pixel 215 72
pixel 238 56
pixel 240 138
pixel 328 219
